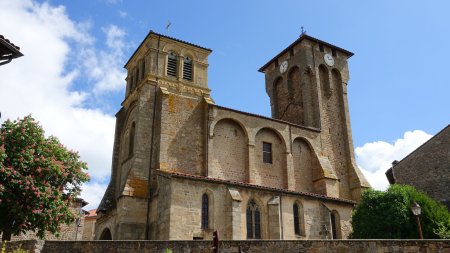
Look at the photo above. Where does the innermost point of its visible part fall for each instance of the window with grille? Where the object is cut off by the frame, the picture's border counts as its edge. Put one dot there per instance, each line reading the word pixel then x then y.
pixel 172 65
pixel 205 211
pixel 187 69
pixel 296 219
pixel 267 152
pixel 253 216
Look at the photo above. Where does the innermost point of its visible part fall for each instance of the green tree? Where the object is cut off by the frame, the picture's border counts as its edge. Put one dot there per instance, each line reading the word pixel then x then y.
pixel 387 215
pixel 39 178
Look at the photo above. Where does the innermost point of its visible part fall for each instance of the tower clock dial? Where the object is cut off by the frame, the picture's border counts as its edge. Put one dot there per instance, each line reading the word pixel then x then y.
pixel 328 59
pixel 283 67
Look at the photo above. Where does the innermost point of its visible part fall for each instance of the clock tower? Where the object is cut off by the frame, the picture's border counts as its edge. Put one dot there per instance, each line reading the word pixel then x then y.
pixel 307 86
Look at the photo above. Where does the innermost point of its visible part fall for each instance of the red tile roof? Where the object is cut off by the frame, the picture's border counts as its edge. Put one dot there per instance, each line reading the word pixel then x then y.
pixel 231 182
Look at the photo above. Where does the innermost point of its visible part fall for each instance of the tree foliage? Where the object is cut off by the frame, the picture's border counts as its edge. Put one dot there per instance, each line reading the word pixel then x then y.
pixel 387 215
pixel 39 178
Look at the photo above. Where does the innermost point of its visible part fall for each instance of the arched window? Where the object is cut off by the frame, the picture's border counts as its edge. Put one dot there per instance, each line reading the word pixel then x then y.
pixel 205 211
pixel 325 81
pixel 131 143
pixel 187 69
pixel 279 94
pixel 253 220
pixel 335 225
pixel 297 219
pixel 172 64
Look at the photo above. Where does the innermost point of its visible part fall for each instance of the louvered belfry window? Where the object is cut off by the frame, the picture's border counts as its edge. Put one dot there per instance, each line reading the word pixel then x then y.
pixel 187 69
pixel 172 65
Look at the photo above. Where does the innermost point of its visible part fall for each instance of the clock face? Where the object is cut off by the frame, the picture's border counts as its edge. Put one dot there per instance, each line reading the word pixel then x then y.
pixel 283 67
pixel 328 59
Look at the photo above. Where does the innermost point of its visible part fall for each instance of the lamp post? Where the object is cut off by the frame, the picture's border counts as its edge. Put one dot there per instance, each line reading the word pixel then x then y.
pixel 415 208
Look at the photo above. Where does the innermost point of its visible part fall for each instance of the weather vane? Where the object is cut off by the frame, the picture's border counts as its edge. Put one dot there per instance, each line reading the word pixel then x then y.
pixel 303 31
pixel 167 26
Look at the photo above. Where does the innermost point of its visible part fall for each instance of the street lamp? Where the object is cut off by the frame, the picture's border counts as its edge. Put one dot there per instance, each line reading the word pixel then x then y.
pixel 416 210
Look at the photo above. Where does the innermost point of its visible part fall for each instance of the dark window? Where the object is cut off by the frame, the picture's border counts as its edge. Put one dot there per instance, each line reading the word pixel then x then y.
pixel 267 152
pixel 187 69
pixel 142 68
pixel 132 133
pixel 172 65
pixel 333 225
pixel 333 52
pixel 138 76
pixel 291 52
pixel 253 217
pixel 205 211
pixel 321 48
pixel 135 81
pixel 296 219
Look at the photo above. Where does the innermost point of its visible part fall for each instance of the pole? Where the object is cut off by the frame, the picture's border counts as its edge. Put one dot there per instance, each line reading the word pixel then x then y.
pixel 419 226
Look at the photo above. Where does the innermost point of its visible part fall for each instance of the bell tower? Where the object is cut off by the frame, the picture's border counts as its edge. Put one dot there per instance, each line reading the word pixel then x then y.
pixel 307 86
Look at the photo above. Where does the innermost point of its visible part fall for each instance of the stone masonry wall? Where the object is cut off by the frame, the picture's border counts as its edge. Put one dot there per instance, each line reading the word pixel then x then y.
pixel 185 212
pixel 262 246
pixel 428 167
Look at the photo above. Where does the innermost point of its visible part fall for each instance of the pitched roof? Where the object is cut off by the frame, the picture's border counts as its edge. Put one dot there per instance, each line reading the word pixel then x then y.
pixel 303 37
pixel 7 48
pixel 236 183
pixel 167 37
pixel 447 128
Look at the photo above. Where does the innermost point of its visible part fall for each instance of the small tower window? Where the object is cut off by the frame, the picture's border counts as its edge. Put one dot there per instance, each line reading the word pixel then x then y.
pixel 142 68
pixel 267 152
pixel 172 64
pixel 321 47
pixel 205 211
pixel 187 69
pixel 333 52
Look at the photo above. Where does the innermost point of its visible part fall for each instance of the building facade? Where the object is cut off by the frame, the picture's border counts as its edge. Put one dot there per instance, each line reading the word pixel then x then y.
pixel 184 167
pixel 427 168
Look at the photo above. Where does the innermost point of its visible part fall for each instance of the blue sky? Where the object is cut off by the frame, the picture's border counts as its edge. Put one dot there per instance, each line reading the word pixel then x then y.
pixel 71 77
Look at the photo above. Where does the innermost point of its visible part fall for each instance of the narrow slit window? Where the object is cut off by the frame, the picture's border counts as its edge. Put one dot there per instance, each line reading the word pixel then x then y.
pixel 253 216
pixel 187 69
pixel 296 219
pixel 142 68
pixel 205 211
pixel 172 65
pixel 267 152
pixel 131 143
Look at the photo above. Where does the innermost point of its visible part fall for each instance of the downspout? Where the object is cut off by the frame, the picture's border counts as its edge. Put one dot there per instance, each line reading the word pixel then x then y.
pixel 147 226
pixel 281 216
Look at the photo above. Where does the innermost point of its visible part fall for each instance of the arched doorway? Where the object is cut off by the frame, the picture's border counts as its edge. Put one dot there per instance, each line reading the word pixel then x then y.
pixel 106 235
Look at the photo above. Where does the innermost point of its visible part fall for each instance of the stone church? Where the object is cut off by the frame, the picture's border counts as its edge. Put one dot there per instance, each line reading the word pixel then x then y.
pixel 183 167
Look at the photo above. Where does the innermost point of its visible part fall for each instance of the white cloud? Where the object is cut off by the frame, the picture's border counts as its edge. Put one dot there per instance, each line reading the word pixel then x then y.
pixel 375 158
pixel 122 14
pixel 104 67
pixel 42 81
pixel 93 193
